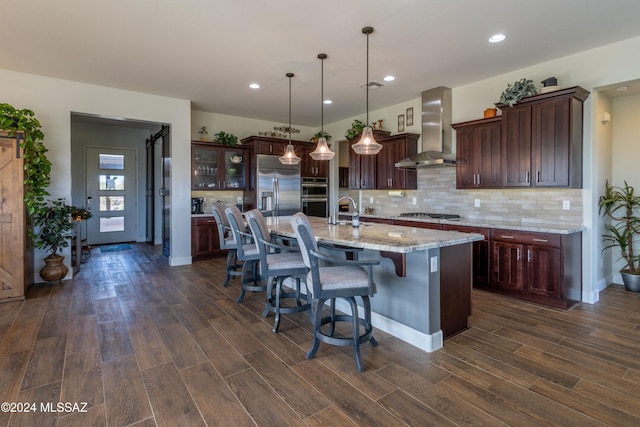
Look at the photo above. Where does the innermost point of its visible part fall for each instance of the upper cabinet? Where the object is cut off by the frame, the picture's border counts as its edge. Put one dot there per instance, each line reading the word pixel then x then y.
pixel 396 148
pixel 218 167
pixel 310 168
pixel 379 171
pixel 542 140
pixel 478 153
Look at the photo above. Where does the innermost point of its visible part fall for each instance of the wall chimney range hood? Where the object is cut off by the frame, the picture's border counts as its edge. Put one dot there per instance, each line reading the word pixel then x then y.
pixel 436 131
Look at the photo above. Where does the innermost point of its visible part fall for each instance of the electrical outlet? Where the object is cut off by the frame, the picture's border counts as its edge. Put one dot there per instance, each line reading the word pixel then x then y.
pixel 239 199
pixel 414 200
pixel 476 203
pixel 370 199
pixel 434 264
pixel 566 205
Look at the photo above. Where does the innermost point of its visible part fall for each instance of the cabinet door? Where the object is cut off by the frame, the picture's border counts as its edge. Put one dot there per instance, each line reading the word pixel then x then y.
pixel 544 273
pixel 550 143
pixel 204 237
pixel 205 162
pixel 362 170
pixel 508 266
pixel 465 160
pixel 390 177
pixel 516 146
pixel 481 253
pixel 486 152
pixel 234 174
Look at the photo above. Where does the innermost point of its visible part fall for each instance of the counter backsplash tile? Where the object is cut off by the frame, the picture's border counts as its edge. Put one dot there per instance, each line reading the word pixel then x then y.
pixel 437 193
pixel 227 198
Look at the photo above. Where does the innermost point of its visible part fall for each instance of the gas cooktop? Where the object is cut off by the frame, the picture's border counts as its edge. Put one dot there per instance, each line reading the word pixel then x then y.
pixel 430 215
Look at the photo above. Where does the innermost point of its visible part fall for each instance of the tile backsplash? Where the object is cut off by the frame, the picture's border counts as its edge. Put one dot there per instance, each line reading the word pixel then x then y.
pixel 437 193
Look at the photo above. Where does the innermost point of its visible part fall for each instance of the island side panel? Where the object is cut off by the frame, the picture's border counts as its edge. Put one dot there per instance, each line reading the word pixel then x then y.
pixel 456 281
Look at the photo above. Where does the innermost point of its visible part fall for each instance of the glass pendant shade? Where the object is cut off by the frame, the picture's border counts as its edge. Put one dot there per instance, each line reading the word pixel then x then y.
pixel 290 157
pixel 322 151
pixel 367 144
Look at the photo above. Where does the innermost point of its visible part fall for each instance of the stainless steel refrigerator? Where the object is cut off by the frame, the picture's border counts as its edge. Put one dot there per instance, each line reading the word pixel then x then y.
pixel 278 187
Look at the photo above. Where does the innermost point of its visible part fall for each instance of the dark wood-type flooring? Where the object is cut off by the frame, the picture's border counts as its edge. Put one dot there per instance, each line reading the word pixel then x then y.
pixel 145 344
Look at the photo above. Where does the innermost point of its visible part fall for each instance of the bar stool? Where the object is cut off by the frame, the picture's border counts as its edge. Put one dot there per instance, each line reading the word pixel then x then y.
pixel 246 251
pixel 344 279
pixel 277 262
pixel 227 242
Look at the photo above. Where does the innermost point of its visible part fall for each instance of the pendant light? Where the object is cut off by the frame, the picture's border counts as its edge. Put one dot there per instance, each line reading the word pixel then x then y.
pixel 367 144
pixel 289 157
pixel 322 151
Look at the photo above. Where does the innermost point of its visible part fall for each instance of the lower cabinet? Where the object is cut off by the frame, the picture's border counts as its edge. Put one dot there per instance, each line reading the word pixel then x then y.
pixel 539 267
pixel 204 238
pixel 481 252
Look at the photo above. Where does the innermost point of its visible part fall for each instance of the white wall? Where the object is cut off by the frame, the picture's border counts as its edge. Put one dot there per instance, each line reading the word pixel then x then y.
pixel 53 100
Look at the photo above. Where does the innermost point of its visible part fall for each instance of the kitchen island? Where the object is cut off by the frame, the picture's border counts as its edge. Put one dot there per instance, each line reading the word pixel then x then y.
pixel 423 281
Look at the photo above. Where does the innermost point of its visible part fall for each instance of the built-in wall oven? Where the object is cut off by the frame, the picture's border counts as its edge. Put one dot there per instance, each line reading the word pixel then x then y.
pixel 315 198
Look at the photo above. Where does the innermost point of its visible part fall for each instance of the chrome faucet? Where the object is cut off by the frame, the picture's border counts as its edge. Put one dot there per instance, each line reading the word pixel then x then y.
pixel 334 215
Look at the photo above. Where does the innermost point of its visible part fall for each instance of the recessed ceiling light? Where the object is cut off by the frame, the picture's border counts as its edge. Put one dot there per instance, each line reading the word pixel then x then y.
pixel 254 86
pixel 328 101
pixel 622 88
pixel 389 78
pixel 496 38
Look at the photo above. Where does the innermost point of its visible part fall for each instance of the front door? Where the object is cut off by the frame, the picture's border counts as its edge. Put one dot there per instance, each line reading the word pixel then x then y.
pixel 111 195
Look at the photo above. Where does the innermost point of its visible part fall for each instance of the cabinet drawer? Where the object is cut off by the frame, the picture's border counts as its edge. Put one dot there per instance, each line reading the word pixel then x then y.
pixel 528 238
pixel 205 220
pixel 486 232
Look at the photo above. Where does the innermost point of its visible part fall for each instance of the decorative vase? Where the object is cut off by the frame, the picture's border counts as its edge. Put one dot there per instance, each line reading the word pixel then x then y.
pixel 54 268
pixel 631 281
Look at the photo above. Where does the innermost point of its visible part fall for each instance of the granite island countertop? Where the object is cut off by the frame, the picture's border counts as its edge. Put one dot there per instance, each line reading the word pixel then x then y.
pixel 381 237
pixel 490 223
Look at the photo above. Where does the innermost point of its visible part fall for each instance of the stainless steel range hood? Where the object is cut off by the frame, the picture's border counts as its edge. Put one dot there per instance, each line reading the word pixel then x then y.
pixel 436 131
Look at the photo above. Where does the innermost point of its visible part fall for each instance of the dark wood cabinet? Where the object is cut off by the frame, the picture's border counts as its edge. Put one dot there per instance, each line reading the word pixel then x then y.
pixel 310 168
pixel 396 148
pixel 218 167
pixel 418 224
pixel 362 170
pixel 204 238
pixel 542 140
pixel 539 267
pixel 478 153
pixel 343 177
pixel 481 252
pixel 265 145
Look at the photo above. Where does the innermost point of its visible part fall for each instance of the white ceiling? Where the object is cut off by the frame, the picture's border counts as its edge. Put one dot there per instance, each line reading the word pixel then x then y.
pixel 208 51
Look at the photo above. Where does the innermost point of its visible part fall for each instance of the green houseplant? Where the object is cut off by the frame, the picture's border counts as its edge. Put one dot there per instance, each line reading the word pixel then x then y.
pixel 54 226
pixel 520 89
pixel 355 130
pixel 622 206
pixel 225 138
pixel 37 170
pixel 320 134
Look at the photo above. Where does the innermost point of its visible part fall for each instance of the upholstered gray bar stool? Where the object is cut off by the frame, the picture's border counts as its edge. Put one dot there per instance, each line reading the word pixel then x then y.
pixel 246 251
pixel 227 242
pixel 277 262
pixel 342 278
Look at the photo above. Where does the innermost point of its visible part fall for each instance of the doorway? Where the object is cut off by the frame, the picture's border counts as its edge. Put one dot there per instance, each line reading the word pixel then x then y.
pixel 111 191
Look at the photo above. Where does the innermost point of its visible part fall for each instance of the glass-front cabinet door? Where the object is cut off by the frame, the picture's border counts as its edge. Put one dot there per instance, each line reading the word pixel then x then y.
pixel 218 167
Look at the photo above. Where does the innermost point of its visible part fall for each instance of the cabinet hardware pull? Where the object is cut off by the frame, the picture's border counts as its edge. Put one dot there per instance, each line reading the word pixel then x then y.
pixel 541 240
pixel 528 255
pixel 507 237
pixel 518 254
pixel 474 179
pixel 210 221
pixel 537 176
pixel 478 179
pixel 527 180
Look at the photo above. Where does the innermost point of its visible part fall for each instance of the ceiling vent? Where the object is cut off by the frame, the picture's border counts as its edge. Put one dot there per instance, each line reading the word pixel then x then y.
pixel 372 85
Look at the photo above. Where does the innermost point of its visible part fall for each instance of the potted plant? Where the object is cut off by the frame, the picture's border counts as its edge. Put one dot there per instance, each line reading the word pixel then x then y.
pixel 54 227
pixel 355 130
pixel 37 168
pixel 520 89
pixel 203 133
pixel 622 206
pixel 225 138
pixel 320 134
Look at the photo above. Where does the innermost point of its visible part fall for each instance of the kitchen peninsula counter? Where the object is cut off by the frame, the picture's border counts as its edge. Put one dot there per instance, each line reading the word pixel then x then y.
pixel 423 281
